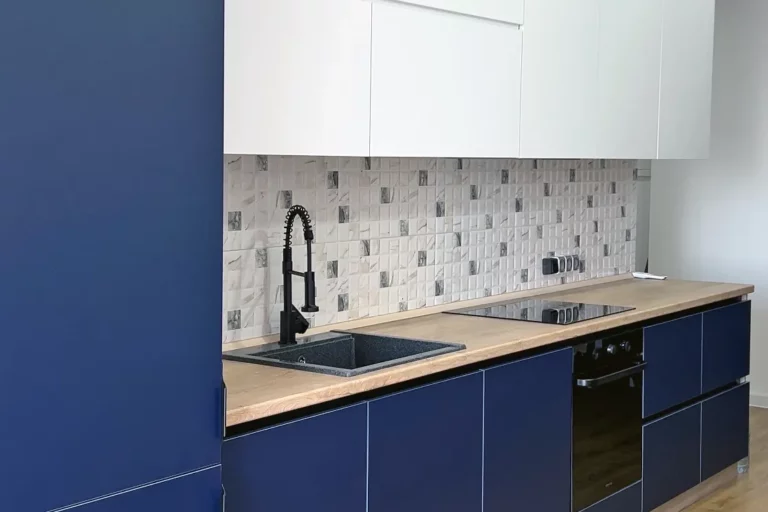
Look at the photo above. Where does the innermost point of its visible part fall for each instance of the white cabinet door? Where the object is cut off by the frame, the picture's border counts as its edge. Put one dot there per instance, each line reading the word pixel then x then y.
pixel 559 106
pixel 630 64
pixel 686 79
pixel 297 77
pixel 510 11
pixel 443 84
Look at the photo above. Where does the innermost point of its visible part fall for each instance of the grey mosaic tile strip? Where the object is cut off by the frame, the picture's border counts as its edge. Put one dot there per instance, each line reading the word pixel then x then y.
pixel 234 221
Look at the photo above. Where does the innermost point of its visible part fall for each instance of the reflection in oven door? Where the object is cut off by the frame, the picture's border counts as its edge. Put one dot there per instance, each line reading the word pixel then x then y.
pixel 607 439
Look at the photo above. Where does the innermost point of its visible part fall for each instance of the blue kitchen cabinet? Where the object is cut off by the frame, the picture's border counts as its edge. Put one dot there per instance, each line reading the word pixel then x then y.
pixel 196 492
pixel 673 353
pixel 724 430
pixel 726 345
pixel 626 500
pixel 527 452
pixel 110 227
pixel 425 448
pixel 316 463
pixel 671 456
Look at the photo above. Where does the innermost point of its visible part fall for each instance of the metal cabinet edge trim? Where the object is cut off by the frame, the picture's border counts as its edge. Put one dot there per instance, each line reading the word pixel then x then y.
pixel 296 420
pixel 456 13
pixel 396 393
pixel 529 358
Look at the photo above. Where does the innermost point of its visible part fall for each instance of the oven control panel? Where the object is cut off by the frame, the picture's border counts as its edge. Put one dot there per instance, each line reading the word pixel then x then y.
pixel 614 351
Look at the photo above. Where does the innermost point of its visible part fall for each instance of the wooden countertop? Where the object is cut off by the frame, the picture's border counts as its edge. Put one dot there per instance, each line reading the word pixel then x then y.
pixel 256 391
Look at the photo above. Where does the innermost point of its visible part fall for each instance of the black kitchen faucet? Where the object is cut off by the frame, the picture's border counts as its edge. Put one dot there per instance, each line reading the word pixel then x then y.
pixel 291 321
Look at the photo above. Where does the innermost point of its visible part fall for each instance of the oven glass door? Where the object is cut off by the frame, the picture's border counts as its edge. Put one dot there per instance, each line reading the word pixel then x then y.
pixel 607 439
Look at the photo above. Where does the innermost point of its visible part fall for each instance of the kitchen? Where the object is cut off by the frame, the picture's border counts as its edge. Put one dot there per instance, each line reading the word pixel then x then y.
pixel 479 158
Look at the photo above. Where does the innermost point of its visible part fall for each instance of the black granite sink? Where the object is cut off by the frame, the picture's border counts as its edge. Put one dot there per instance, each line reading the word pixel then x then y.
pixel 342 354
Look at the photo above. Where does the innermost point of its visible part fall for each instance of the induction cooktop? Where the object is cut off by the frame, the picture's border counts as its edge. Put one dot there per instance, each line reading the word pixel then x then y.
pixel 544 311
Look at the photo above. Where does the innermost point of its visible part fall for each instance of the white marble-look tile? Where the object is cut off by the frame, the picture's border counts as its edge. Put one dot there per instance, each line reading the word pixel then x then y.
pixel 436 217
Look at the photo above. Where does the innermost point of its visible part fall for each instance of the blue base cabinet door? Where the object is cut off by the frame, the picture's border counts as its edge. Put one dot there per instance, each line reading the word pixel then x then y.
pixel 527 452
pixel 425 448
pixel 314 464
pixel 671 456
pixel 724 430
pixel 196 492
pixel 673 353
pixel 726 345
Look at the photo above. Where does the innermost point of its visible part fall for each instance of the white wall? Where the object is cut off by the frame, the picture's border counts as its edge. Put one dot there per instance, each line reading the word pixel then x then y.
pixel 643 213
pixel 709 219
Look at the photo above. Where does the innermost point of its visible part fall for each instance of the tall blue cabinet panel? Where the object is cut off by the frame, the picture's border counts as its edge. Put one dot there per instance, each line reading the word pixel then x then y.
pixel 527 448
pixel 673 353
pixel 425 448
pixel 196 492
pixel 726 345
pixel 671 456
pixel 316 463
pixel 724 430
pixel 110 227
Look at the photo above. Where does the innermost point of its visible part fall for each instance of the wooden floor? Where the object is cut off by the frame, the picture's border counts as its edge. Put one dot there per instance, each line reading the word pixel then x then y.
pixel 750 492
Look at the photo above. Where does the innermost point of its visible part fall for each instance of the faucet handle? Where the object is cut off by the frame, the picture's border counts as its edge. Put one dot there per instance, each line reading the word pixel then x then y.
pixel 310 290
pixel 300 324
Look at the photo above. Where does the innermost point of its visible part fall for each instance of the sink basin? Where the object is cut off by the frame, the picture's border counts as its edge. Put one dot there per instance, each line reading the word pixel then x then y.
pixel 342 354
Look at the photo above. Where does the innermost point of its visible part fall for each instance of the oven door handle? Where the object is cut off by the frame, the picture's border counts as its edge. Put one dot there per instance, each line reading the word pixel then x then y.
pixel 611 377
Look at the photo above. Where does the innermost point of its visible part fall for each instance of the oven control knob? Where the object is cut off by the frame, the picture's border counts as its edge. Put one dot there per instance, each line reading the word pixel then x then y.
pixel 611 349
pixel 625 346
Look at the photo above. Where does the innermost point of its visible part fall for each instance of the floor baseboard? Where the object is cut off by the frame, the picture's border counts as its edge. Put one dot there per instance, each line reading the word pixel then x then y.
pixel 758 400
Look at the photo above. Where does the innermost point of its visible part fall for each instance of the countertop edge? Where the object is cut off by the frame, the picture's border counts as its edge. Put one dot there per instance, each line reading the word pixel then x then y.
pixel 390 376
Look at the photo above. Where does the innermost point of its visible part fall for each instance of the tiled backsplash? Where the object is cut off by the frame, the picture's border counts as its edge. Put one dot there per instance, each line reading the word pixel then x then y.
pixel 395 234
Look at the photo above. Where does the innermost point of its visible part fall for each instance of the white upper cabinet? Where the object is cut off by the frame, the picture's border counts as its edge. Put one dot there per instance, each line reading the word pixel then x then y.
pixel 560 79
pixel 686 79
pixel 510 11
pixel 443 84
pixel 469 78
pixel 630 64
pixel 297 77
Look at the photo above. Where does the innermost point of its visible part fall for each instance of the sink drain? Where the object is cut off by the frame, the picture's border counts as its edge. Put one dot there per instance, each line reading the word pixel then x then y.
pixel 302 359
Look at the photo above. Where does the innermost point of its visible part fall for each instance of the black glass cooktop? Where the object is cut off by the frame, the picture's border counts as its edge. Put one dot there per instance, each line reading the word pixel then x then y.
pixel 544 311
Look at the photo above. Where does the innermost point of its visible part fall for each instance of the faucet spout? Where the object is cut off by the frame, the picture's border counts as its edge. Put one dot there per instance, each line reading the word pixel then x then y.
pixel 291 321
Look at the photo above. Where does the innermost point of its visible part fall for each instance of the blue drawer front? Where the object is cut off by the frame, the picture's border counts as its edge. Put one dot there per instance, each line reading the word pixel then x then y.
pixel 317 463
pixel 627 500
pixel 673 353
pixel 425 448
pixel 528 434
pixel 671 456
pixel 724 430
pixel 726 345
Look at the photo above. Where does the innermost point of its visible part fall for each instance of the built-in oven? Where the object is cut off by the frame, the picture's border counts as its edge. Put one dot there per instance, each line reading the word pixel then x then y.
pixel 607 417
